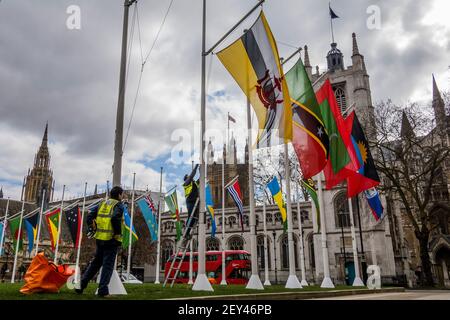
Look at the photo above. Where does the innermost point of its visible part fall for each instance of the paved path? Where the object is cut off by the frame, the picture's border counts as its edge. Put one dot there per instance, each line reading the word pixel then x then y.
pixel 407 295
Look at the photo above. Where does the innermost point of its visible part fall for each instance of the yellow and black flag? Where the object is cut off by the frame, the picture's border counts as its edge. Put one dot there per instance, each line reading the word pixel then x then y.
pixel 254 63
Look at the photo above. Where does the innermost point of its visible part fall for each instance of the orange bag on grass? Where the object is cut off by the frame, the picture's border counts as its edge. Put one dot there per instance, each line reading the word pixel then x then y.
pixel 44 276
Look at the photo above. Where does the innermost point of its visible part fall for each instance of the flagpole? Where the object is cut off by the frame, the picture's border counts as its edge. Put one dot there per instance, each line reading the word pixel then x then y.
pixel 158 246
pixel 357 282
pixel 266 258
pixel 302 250
pixel 40 222
pixel 80 236
pixel 326 282
pixel 191 250
pixel 4 227
pixel 201 282
pixel 331 22
pixel 131 229
pixel 19 235
pixel 224 280
pixel 59 227
pixel 292 282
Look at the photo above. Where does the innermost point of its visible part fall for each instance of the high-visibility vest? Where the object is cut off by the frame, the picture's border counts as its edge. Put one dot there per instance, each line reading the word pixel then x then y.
pixel 188 188
pixel 105 230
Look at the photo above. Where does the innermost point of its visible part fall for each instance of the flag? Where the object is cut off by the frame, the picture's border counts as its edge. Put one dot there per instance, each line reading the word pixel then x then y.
pixel 31 225
pixel 275 190
pixel 172 203
pixel 254 63
pixel 230 118
pixel 339 165
pixel 2 237
pixel 14 225
pixel 126 222
pixel 375 205
pixel 148 211
pixel 234 190
pixel 73 218
pixel 210 208
pixel 310 139
pixel 332 14
pixel 367 176
pixel 310 187
pixel 52 223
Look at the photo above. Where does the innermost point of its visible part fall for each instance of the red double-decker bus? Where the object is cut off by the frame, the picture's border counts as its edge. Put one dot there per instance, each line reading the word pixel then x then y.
pixel 237 267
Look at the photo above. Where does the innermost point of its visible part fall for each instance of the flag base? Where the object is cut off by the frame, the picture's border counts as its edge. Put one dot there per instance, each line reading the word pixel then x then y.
pixel 202 284
pixel 267 283
pixel 190 281
pixel 115 286
pixel 304 283
pixel 358 282
pixel 223 282
pixel 254 283
pixel 293 283
pixel 327 283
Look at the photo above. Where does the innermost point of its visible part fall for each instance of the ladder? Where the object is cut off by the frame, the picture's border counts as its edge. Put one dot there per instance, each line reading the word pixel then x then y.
pixel 184 246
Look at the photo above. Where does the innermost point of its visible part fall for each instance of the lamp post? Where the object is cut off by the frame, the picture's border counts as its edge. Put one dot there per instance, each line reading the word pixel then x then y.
pixel 275 255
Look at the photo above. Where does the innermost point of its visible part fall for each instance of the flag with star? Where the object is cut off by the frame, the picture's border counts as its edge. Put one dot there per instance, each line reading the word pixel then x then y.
pixel 73 219
pixel 367 175
pixel 310 139
pixel 126 227
pixel 149 212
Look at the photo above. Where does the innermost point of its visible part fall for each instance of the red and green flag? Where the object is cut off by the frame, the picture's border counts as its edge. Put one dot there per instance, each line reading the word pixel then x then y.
pixel 172 203
pixel 52 219
pixel 310 138
pixel 340 164
pixel 16 232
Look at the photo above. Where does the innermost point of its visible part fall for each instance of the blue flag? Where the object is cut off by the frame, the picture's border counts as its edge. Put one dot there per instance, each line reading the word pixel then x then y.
pixel 374 202
pixel 126 229
pixel 31 227
pixel 1 238
pixel 210 208
pixel 148 211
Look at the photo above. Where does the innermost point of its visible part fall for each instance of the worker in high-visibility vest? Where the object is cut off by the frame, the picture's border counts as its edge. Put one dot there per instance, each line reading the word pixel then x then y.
pixel 105 225
pixel 191 193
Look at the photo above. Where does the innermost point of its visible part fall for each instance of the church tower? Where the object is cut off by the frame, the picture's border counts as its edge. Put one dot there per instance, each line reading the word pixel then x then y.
pixel 439 108
pixel 40 177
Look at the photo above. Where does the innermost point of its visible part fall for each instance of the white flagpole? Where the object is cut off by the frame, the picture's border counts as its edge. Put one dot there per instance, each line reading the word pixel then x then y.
pixel 80 236
pixel 292 282
pixel 59 227
pixel 302 250
pixel 224 276
pixel 158 242
pixel 4 227
pixel 326 282
pixel 357 282
pixel 131 229
pixel 191 260
pixel 266 258
pixel 19 235
pixel 40 222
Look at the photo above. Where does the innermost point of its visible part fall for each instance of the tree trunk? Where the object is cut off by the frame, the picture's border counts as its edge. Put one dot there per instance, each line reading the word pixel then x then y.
pixel 425 259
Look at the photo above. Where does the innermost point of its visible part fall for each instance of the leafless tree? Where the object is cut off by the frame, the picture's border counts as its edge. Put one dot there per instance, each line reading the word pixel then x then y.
pixel 410 156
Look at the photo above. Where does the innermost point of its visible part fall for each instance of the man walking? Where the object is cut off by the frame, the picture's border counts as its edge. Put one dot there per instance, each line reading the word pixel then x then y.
pixel 105 225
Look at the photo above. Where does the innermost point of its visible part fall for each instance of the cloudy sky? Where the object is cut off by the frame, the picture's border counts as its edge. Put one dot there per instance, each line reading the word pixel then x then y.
pixel 70 77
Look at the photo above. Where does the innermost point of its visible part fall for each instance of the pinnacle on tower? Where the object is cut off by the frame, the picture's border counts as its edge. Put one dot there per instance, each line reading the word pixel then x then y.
pixel 355 44
pixel 307 62
pixel 406 129
pixel 1 193
pixel 438 105
pixel 45 138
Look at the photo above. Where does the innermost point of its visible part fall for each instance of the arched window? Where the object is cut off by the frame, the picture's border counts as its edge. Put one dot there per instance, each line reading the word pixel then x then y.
pixel 260 251
pixel 341 100
pixel 278 217
pixel 246 220
pixel 304 215
pixel 212 244
pixel 236 243
pixel 285 252
pixel 257 219
pixel 342 211
pixel 269 218
pixel 166 252
pixel 231 221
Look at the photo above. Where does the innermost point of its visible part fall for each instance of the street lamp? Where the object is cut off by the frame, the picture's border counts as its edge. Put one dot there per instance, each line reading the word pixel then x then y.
pixel 275 255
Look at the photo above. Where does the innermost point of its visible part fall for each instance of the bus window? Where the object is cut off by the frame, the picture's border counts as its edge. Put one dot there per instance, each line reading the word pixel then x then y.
pixel 239 274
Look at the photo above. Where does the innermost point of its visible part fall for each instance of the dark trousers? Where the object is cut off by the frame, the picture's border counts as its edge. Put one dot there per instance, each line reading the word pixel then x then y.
pixel 105 257
pixel 190 207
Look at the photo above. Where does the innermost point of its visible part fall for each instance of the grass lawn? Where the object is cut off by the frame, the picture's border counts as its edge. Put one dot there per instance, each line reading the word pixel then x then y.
pixel 146 291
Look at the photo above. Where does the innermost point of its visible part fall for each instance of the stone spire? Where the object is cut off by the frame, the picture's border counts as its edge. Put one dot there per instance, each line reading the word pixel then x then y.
pixel 246 158
pixel 210 153
pixel 357 58
pixel 406 129
pixel 95 190
pixel 355 44
pixel 1 192
pixel 308 67
pixel 438 106
pixel 45 138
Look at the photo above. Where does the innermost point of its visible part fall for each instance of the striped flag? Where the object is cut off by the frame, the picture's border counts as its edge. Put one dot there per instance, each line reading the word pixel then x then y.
pixel 234 190
pixel 210 208
pixel 373 198
pixel 149 212
pixel 52 219
pixel 2 228
pixel 310 187
pixel 172 203
pixel 254 63
pixel 275 190
pixel 126 229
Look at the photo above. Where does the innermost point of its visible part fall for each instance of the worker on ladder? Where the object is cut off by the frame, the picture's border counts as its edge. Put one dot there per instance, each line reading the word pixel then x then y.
pixel 191 192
